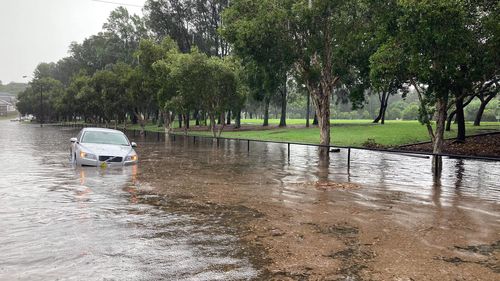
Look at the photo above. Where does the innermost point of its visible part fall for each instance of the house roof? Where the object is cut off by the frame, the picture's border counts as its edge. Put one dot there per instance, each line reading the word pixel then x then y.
pixel 2 102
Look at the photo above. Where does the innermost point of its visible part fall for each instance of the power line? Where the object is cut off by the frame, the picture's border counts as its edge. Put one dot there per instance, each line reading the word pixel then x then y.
pixel 116 3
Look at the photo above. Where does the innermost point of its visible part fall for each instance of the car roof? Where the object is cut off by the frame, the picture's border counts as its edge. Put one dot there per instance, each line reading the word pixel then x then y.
pixel 93 129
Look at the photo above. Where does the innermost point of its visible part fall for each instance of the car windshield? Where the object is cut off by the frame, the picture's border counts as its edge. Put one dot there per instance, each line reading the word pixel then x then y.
pixel 104 138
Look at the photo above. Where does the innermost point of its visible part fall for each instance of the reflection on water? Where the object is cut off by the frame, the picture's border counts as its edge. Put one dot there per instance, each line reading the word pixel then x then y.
pixel 62 223
pixel 90 224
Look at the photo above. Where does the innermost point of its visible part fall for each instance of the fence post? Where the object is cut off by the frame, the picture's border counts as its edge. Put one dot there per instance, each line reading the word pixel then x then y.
pixel 157 136
pixel 348 159
pixel 288 152
pixel 194 139
pixel 248 145
pixel 217 142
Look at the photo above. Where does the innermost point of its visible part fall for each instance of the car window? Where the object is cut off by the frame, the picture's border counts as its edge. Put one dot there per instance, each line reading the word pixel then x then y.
pixel 104 138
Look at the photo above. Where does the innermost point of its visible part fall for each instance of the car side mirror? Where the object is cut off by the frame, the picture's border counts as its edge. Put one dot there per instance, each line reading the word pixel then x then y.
pixel 73 140
pixel 133 144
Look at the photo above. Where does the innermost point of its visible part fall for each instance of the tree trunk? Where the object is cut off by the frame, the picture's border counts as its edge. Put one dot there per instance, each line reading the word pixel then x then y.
pixel 283 106
pixel 142 122
pixel 228 118
pixel 479 115
pixel 308 109
pixel 323 108
pixel 449 120
pixel 441 105
pixel 167 122
pixel 386 104
pixel 484 103
pixel 186 123
pixel 315 119
pixel 212 124
pixel 266 112
pixel 237 121
pixel 197 117
pixel 381 99
pixel 180 120
pixel 221 125
pixel 459 105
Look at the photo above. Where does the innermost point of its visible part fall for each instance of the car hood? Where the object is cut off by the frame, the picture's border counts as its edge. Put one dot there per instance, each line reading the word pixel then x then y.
pixel 107 149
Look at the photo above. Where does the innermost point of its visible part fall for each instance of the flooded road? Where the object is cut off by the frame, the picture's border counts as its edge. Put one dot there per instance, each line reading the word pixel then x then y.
pixel 62 223
pixel 198 211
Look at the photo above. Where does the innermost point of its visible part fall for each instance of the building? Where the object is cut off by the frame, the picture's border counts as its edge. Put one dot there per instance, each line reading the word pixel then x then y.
pixel 6 107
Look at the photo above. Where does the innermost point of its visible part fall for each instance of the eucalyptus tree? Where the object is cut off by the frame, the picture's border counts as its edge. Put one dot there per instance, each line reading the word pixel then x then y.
pixel 189 23
pixel 126 31
pixel 258 35
pixel 317 37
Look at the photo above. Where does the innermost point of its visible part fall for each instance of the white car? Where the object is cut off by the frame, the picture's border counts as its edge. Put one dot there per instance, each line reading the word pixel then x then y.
pixel 102 147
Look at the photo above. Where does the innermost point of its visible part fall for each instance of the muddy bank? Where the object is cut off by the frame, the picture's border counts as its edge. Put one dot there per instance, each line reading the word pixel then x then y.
pixel 484 145
pixel 296 229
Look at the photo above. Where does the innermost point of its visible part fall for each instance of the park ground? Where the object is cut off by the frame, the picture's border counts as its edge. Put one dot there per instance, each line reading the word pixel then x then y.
pixel 356 133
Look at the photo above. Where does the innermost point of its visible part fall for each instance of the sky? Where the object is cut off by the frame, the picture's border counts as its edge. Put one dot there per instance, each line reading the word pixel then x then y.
pixel 34 31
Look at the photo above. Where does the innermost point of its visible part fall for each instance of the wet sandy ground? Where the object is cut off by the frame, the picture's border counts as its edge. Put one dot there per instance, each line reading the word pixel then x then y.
pixel 393 221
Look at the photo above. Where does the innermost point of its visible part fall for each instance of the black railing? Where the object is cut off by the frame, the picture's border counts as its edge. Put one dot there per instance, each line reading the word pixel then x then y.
pixel 417 154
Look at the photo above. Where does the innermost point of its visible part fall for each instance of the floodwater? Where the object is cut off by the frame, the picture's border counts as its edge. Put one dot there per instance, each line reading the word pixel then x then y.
pixel 195 210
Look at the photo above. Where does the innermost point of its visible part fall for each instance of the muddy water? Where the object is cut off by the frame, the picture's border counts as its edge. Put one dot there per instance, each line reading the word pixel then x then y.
pixel 198 211
pixel 62 223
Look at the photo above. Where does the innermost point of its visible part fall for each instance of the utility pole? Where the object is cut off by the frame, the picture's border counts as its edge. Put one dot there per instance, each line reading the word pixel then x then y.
pixel 41 105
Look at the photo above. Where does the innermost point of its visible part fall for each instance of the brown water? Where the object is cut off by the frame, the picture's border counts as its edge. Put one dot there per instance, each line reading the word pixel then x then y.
pixel 198 211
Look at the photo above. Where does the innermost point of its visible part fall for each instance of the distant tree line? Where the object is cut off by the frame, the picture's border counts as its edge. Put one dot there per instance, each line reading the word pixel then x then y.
pixel 214 60
pixel 12 88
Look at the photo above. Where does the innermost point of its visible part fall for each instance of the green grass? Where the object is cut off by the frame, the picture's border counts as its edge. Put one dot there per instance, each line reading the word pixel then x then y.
pixel 343 132
pixel 355 132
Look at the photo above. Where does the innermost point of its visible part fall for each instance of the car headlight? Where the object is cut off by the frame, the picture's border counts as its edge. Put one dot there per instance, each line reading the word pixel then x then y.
pixel 87 155
pixel 131 158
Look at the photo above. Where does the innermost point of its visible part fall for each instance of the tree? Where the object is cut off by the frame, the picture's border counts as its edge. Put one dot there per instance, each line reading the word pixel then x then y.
pixel 435 38
pixel 258 37
pixel 387 74
pixel 194 81
pixel 144 85
pixel 112 85
pixel 42 99
pixel 127 31
pixel 189 23
pixel 317 39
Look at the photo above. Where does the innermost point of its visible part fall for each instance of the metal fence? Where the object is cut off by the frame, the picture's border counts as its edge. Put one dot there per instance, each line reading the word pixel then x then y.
pixel 418 154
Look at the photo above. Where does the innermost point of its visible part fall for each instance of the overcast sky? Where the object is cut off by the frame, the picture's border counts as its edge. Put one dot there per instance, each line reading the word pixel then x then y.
pixel 34 31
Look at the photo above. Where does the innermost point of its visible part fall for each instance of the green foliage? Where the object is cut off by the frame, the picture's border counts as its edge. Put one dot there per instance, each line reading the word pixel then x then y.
pixel 411 112
pixel 13 88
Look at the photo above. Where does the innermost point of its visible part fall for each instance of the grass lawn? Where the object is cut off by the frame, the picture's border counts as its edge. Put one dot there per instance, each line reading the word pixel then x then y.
pixel 353 132
pixel 343 132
